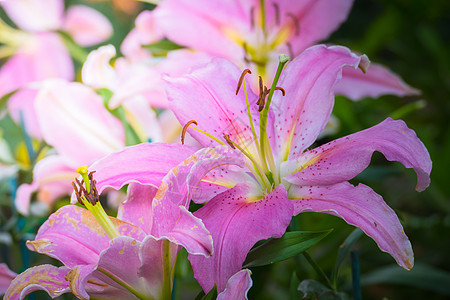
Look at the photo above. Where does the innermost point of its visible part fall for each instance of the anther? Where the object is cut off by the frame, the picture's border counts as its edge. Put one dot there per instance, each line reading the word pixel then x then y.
pixel 241 79
pixel 81 192
pixel 252 17
pixel 291 52
pixel 281 89
pixel 296 23
pixel 229 141
pixel 183 132
pixel 277 13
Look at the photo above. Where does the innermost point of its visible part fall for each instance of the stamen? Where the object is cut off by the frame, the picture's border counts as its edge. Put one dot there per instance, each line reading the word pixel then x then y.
pixel 90 199
pixel 280 89
pixel 277 13
pixel 290 50
pixel 296 23
pixel 241 79
pixel 82 193
pixel 252 17
pixel 263 92
pixel 229 141
pixel 183 132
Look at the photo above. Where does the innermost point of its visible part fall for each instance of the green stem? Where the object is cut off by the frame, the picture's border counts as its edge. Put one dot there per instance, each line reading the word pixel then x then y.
pixel 167 286
pixel 318 269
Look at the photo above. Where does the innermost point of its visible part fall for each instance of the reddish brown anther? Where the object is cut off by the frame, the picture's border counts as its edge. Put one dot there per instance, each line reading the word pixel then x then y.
pixel 263 92
pixel 241 79
pixel 291 52
pixel 81 191
pixel 183 132
pixel 296 22
pixel 229 141
pixel 277 13
pixel 281 89
pixel 252 17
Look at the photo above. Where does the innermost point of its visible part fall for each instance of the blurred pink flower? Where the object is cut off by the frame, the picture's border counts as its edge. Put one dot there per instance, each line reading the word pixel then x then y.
pixel 252 36
pixel 38 52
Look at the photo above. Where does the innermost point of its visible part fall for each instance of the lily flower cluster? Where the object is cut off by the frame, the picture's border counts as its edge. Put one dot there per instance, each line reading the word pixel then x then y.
pixel 249 118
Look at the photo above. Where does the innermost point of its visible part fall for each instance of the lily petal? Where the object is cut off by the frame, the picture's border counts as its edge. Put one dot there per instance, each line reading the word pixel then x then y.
pixel 6 276
pixel 73 236
pixel 359 206
pixel 44 277
pixel 188 23
pixel 97 70
pixel 144 163
pixel 309 81
pixel 137 208
pixel 75 122
pixel 236 223
pixel 344 158
pixel 316 20
pixel 237 286
pixel 86 25
pixel 33 16
pixel 119 265
pixel 179 226
pixel 377 81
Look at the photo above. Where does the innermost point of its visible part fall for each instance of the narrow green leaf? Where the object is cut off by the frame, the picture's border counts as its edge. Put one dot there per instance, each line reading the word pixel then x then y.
pixel 407 109
pixel 4 100
pixel 344 249
pixel 162 47
pixel 421 276
pixel 76 51
pixel 313 289
pixel 293 292
pixel 289 245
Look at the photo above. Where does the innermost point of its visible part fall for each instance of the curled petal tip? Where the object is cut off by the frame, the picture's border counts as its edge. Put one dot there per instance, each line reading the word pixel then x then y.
pixel 364 63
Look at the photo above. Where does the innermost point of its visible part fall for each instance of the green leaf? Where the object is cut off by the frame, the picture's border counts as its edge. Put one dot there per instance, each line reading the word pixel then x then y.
pixel 294 282
pixel 4 100
pixel 421 276
pixel 313 289
pixel 76 51
pixel 289 245
pixel 212 294
pixel 407 109
pixel 162 47
pixel 344 249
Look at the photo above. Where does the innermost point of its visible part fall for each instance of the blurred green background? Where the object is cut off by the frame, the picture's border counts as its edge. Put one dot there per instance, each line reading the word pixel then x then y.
pixel 412 38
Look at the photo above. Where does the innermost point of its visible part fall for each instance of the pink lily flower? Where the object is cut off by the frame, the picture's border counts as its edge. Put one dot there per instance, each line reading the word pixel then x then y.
pixel 38 52
pixel 285 178
pixel 252 33
pixel 282 178
pixel 136 255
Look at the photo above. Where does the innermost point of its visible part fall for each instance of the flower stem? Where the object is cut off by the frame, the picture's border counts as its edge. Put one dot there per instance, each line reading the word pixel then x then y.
pixel 167 286
pixel 318 269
